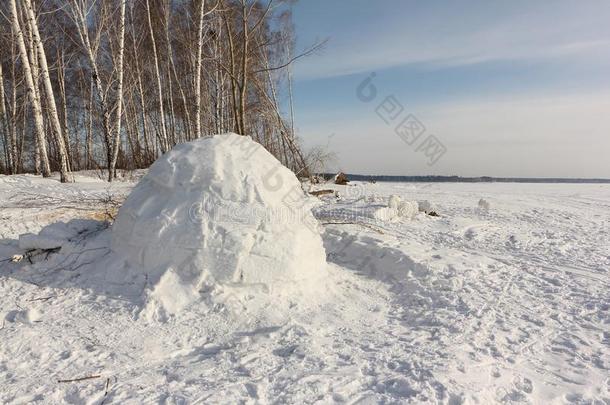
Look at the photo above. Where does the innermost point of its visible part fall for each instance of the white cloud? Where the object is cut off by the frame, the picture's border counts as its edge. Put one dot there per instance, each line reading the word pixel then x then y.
pixel 554 136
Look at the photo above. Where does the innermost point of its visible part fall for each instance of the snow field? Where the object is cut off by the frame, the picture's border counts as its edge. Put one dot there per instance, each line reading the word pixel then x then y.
pixel 508 304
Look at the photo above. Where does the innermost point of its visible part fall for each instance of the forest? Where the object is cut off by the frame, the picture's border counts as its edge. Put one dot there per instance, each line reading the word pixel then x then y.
pixel 111 85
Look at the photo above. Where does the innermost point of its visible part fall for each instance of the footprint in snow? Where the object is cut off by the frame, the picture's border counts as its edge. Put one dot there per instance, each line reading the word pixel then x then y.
pixel 23 316
pixel 523 384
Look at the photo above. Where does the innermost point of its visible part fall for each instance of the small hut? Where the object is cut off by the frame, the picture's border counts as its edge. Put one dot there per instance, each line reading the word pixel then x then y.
pixel 341 179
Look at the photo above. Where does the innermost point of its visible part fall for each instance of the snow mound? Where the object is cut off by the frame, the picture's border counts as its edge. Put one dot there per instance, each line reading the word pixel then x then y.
pixel 219 211
pixel 394 201
pixel 484 204
pixel 425 206
pixel 397 210
pixel 408 209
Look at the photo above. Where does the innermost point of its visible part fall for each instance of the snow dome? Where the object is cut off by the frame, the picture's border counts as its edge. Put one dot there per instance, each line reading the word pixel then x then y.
pixel 220 210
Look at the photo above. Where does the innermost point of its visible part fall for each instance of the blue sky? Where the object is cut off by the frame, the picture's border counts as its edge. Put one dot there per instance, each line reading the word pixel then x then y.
pixel 511 88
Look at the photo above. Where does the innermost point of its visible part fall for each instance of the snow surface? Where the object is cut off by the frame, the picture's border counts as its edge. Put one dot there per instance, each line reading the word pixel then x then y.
pixel 505 305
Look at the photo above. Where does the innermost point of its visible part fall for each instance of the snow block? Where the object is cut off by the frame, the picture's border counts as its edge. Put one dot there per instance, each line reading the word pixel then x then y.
pixel 484 204
pixel 396 210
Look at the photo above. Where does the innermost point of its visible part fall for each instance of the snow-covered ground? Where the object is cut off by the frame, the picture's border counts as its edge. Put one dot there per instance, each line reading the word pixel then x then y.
pixel 505 300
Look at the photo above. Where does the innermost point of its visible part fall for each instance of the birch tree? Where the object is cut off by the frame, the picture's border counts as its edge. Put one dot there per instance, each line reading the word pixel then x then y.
pixel 131 86
pixel 198 70
pixel 119 95
pixel 9 141
pixel 163 127
pixel 64 170
pixel 80 18
pixel 32 91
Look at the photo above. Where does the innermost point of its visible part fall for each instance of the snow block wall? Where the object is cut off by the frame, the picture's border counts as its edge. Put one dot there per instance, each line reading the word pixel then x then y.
pixel 219 210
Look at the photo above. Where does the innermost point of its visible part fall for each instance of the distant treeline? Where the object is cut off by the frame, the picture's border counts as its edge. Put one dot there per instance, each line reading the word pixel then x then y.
pixel 459 179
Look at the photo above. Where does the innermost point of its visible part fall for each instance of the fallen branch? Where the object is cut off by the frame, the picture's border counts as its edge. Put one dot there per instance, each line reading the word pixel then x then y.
pixel 91 377
pixel 321 192
pixel 106 391
pixel 42 298
pixel 30 253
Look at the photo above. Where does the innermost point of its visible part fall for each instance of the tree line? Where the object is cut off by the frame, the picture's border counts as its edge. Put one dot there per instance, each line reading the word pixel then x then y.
pixel 112 84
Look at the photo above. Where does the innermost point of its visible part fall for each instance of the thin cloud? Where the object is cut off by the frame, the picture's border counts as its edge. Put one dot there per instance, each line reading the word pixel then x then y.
pixel 559 33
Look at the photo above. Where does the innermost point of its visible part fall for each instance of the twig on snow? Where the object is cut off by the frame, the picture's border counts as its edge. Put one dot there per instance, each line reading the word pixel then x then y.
pixel 42 298
pixel 91 377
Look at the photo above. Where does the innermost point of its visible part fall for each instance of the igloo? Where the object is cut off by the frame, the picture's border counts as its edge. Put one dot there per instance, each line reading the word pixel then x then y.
pixel 220 210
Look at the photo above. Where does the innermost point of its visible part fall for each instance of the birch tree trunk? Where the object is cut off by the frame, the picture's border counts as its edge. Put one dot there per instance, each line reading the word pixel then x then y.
pixel 32 54
pixel 32 92
pixel 290 95
pixel 64 167
pixel 18 147
pixel 198 71
pixel 10 146
pixel 164 139
pixel 89 136
pixel 144 114
pixel 232 72
pixel 4 127
pixel 218 85
pixel 83 32
pixel 243 86
pixel 119 95
pixel 61 78
pixel 173 72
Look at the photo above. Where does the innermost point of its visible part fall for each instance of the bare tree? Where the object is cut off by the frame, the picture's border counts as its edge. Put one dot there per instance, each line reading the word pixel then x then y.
pixel 134 78
pixel 80 11
pixel 32 91
pixel 48 87
pixel 9 141
pixel 164 138
pixel 198 70
pixel 119 108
